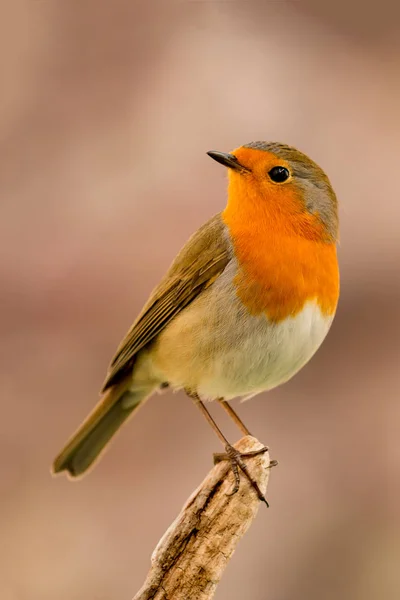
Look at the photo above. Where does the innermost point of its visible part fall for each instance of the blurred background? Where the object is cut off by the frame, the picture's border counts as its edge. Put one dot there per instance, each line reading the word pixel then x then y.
pixel 107 110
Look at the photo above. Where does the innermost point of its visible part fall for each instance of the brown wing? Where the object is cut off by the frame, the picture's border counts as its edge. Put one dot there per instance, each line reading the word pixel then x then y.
pixel 197 266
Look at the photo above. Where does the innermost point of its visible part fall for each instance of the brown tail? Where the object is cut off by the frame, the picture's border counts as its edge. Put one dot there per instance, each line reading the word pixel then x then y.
pixel 97 430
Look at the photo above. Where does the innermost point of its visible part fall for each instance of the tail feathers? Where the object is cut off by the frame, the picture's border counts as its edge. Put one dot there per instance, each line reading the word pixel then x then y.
pixel 92 437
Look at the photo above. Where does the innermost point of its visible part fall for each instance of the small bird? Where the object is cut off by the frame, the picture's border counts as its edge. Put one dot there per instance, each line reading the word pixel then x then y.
pixel 243 307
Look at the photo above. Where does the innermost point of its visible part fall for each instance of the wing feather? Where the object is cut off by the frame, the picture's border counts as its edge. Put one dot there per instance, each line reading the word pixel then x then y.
pixel 197 266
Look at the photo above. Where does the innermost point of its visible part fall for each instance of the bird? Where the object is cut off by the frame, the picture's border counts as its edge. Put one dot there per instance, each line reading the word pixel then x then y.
pixel 244 306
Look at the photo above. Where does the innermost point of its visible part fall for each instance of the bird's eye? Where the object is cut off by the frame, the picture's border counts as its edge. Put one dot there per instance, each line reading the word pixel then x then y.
pixel 279 174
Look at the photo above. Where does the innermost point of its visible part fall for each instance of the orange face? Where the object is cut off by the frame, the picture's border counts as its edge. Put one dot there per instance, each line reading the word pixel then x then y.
pixel 286 251
pixel 267 188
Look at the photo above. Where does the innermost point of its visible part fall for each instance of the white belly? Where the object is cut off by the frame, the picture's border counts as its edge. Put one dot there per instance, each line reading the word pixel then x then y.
pixel 214 347
pixel 266 356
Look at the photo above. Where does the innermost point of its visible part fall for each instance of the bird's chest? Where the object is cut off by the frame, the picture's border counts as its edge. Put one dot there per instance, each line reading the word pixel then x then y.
pixel 240 337
pixel 279 278
pixel 282 302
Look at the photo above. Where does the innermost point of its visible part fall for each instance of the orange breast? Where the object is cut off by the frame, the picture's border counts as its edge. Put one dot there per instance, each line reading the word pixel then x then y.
pixel 283 256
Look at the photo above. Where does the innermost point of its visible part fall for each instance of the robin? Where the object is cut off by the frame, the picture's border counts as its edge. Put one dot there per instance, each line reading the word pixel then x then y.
pixel 243 307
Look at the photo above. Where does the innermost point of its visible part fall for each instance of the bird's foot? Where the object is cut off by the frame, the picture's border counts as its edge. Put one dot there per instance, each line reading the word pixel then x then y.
pixel 236 459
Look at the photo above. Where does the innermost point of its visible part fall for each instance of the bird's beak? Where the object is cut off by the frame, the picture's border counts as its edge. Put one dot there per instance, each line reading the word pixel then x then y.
pixel 228 160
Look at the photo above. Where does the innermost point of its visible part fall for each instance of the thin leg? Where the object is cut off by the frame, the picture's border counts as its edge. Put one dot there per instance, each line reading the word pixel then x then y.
pixel 209 418
pixel 233 455
pixel 234 416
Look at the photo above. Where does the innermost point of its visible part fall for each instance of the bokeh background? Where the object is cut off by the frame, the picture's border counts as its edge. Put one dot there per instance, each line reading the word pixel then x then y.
pixel 107 110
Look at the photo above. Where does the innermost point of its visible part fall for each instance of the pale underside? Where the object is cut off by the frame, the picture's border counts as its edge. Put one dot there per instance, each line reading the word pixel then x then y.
pixel 216 349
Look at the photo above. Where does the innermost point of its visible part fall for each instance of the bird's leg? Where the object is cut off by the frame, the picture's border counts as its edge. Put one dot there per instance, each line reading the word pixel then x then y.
pixel 231 454
pixel 234 416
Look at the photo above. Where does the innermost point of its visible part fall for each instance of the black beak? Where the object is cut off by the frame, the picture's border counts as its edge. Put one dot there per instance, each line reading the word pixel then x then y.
pixel 228 160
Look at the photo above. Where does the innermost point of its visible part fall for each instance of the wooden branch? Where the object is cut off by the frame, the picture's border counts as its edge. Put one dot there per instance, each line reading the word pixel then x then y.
pixel 190 558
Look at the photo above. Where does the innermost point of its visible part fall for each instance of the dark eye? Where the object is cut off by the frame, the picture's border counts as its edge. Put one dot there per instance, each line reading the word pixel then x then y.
pixel 279 174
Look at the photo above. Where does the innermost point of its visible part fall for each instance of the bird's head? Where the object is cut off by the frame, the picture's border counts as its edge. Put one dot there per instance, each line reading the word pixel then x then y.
pixel 269 179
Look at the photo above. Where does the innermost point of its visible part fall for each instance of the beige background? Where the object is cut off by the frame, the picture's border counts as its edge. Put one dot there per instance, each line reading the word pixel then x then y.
pixel 106 112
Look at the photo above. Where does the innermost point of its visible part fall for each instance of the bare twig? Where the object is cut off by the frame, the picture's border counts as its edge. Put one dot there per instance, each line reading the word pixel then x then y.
pixel 190 558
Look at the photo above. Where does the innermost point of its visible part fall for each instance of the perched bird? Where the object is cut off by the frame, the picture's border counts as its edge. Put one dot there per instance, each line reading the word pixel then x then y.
pixel 244 306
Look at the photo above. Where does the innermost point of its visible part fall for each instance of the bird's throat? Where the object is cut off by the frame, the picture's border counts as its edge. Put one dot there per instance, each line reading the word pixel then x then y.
pixel 283 259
